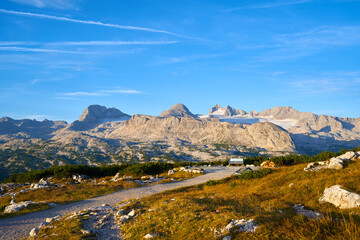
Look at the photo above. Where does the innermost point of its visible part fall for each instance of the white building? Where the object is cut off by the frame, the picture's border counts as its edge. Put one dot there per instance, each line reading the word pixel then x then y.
pixel 236 161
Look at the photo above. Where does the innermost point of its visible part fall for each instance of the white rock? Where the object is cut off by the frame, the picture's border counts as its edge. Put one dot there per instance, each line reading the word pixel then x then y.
pixel 44 182
pixel 84 231
pixel 227 238
pixel 150 235
pixel 348 156
pixel 243 225
pixel 335 163
pixel 17 206
pixel 131 213
pixel 34 232
pixel 340 198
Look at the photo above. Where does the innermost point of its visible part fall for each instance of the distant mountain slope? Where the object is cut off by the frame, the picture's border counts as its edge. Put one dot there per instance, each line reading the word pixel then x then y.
pixel 29 128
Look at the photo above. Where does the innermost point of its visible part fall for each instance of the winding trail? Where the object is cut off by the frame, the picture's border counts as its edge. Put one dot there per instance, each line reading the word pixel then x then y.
pixel 19 227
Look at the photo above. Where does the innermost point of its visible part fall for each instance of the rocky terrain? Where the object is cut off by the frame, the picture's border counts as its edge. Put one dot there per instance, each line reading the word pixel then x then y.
pixel 107 135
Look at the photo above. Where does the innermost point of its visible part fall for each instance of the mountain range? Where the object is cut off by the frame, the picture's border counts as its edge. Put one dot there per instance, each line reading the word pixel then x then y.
pixel 107 135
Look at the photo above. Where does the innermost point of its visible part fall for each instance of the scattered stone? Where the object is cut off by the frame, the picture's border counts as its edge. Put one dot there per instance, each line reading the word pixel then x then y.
pixel 291 184
pixel 300 209
pixel 192 170
pixel 38 186
pixel 80 178
pixel 242 225
pixel 34 232
pixel 150 235
pixel 227 238
pixel 340 198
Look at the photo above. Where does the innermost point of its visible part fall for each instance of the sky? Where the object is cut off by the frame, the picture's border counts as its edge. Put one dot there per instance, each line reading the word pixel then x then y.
pixel 59 56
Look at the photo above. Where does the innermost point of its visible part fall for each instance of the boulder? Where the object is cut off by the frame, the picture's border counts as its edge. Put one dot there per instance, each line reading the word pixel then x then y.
pixel 340 198
pixel 335 163
pixel 171 171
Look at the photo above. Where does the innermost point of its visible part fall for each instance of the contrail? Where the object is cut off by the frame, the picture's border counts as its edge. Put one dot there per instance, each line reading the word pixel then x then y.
pixel 66 19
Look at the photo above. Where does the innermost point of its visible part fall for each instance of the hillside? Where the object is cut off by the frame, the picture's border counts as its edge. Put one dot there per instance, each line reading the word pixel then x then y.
pixel 268 203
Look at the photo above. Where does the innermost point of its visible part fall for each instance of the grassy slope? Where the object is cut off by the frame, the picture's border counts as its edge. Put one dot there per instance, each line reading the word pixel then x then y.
pixel 197 211
pixel 76 192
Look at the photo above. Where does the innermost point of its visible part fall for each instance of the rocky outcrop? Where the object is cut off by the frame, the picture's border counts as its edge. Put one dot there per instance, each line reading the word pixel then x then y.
pixel 15 207
pixel 340 198
pixel 178 110
pixel 335 163
pixel 95 115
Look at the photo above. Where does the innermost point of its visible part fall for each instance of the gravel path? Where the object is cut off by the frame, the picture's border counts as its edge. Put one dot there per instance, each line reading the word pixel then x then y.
pixel 20 226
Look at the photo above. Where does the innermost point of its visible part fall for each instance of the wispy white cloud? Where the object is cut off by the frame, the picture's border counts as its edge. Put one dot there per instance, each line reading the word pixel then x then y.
pixel 328 82
pixel 59 4
pixel 101 93
pixel 321 37
pixel 181 59
pixel 43 50
pixel 90 22
pixel 268 5
pixel 14 43
pixel 112 43
pixel 306 43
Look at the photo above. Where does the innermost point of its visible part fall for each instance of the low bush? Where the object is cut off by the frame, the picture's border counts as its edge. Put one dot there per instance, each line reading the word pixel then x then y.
pixel 255 174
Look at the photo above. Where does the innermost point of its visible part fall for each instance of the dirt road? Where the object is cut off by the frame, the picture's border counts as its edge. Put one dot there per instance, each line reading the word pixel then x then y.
pixel 20 226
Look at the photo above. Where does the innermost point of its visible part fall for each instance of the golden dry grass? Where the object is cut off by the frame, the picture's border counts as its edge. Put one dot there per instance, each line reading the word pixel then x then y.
pixel 196 211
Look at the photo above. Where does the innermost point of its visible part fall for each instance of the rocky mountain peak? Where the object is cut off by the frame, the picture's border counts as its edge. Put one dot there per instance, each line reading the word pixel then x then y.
pixel 215 108
pixel 227 111
pixel 178 110
pixel 95 115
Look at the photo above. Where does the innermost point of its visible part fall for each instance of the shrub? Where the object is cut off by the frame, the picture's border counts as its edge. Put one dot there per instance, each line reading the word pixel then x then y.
pixel 255 174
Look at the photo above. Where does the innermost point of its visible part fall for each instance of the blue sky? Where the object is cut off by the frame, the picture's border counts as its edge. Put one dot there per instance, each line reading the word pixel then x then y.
pixel 59 56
